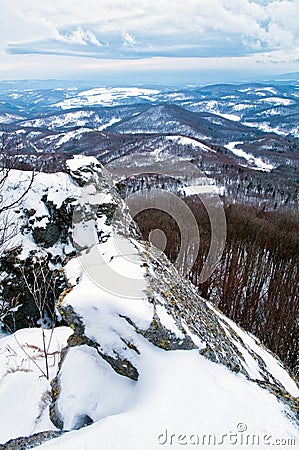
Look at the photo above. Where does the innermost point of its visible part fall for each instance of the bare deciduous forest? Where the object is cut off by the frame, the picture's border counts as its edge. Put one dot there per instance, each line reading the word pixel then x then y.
pixel 256 281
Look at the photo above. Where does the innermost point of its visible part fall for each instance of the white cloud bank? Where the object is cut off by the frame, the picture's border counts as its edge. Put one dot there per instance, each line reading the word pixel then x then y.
pixel 266 30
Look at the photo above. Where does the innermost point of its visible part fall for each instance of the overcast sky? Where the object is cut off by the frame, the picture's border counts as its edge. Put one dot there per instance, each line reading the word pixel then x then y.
pixel 148 40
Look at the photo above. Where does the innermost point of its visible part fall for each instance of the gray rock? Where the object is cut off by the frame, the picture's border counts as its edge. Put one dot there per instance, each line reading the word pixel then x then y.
pixel 24 443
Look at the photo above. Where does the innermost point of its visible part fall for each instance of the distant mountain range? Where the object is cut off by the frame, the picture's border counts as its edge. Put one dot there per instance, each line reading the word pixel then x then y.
pixel 249 127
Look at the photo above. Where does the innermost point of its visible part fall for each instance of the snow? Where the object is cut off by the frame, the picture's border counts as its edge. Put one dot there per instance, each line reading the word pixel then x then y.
pixel 232 117
pixel 277 101
pixel 95 390
pixel 8 118
pixel 184 140
pixel 197 190
pixel 294 131
pixel 252 343
pixel 22 351
pixel 258 162
pixel 77 118
pixel 271 362
pixel 259 91
pixel 269 89
pixel 242 106
pixel 177 392
pixel 180 393
pixel 196 340
pixel 109 124
pixel 211 105
pixel 264 126
pixel 107 97
pixel 250 362
pixel 57 186
pixel 15 96
pixel 3 333
pixel 269 112
pixel 79 161
pixel 177 96
pixel 245 90
pixel 24 392
pixel 108 300
pixel 61 138
pixel 168 321
pixel 73 135
pixel 214 106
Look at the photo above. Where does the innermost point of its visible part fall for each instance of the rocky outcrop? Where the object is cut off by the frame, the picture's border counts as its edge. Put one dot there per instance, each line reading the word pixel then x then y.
pixel 43 232
pixel 164 310
pixel 125 302
pixel 20 309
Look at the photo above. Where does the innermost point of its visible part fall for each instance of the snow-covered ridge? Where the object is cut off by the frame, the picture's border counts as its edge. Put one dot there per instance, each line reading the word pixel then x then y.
pixel 78 118
pixel 148 356
pixel 167 339
pixel 8 118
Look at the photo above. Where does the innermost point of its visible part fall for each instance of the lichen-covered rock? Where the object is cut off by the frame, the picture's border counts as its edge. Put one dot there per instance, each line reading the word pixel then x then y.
pixel 24 443
pixel 162 337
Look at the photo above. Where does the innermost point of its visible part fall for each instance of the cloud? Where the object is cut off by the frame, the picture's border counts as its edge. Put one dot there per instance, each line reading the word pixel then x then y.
pixel 139 29
pixel 79 37
pixel 123 45
pixel 128 39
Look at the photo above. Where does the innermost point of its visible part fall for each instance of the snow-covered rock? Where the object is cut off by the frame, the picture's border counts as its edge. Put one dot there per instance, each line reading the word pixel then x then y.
pixel 142 334
pixel 148 357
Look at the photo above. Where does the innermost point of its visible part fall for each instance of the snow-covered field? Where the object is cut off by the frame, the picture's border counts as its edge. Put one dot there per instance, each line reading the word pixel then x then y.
pixel 277 101
pixel 8 118
pixel 108 124
pixel 253 160
pixel 107 97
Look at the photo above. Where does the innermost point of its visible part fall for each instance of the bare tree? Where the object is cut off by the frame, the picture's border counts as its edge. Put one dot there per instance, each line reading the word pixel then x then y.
pixel 8 227
pixel 41 284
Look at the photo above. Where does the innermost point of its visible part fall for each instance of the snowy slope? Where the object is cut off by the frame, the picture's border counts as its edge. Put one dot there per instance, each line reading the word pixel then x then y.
pixel 253 161
pixel 24 392
pixel 148 356
pixel 178 364
pixel 180 393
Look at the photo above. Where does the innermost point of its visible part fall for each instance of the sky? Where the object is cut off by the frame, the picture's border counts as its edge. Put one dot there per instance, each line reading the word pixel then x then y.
pixel 148 41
